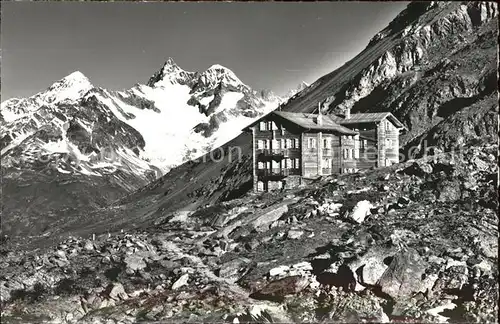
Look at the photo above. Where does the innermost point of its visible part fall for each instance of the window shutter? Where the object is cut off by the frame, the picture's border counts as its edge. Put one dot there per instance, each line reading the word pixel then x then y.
pixel 262 125
pixel 283 143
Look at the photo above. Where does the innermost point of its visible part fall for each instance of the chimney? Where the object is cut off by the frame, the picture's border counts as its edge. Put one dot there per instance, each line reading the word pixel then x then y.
pixel 319 119
pixel 347 113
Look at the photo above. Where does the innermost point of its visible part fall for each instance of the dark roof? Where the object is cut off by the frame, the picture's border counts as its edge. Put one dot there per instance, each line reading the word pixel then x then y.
pixel 332 122
pixel 309 121
pixel 367 118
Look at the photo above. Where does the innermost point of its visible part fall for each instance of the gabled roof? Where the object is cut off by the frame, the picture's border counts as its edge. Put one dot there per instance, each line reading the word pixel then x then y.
pixel 332 122
pixel 309 122
pixel 368 118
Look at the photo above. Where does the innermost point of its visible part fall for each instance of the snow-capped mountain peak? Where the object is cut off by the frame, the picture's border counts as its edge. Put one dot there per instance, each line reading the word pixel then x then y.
pixel 69 89
pixel 216 74
pixel 171 73
pixel 303 85
pixel 72 87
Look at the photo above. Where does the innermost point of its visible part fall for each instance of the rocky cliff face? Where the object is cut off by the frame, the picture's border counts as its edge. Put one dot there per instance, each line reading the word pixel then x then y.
pixel 431 67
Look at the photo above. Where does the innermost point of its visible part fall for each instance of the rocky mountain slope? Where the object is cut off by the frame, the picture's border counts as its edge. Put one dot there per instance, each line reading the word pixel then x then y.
pixel 434 67
pixel 415 242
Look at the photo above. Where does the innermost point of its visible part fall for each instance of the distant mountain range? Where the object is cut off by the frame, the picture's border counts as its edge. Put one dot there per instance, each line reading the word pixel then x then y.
pixel 142 132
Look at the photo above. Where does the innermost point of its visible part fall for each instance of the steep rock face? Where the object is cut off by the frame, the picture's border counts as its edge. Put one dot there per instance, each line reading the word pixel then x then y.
pixel 433 60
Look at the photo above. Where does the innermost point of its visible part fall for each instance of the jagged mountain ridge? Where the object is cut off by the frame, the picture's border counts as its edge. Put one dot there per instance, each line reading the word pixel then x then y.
pixel 170 99
pixel 81 140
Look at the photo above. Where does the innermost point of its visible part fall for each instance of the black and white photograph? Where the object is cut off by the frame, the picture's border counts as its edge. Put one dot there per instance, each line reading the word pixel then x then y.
pixel 249 162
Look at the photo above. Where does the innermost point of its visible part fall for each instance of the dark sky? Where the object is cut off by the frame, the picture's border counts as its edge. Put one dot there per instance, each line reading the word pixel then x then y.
pixel 268 45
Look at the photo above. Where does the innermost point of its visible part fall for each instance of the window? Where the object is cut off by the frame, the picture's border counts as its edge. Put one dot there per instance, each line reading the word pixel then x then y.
pixel 310 165
pixel 267 144
pixel 260 186
pixel 387 125
pixel 311 143
pixel 297 164
pixel 282 130
pixel 261 165
pixel 275 144
pixel 260 144
pixel 262 126
pixel 326 143
pixel 275 164
pixel 283 143
pixel 364 144
pixel 356 153
pixel 297 144
pixel 327 163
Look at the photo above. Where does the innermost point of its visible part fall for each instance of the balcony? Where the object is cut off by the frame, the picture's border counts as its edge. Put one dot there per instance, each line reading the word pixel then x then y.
pixel 277 173
pixel 274 154
pixel 269 154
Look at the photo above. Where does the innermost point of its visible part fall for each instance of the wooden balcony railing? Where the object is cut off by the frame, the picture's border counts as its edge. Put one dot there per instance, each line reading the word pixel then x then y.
pixel 277 172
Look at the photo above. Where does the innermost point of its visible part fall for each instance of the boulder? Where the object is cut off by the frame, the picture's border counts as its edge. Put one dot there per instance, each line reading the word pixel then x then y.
pixel 182 281
pixel 269 216
pixel 134 262
pixel 278 271
pixel 116 291
pixel 277 290
pixel 360 211
pixel 370 267
pixel 231 270
pixel 294 234
pixel 88 245
pixel 403 276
